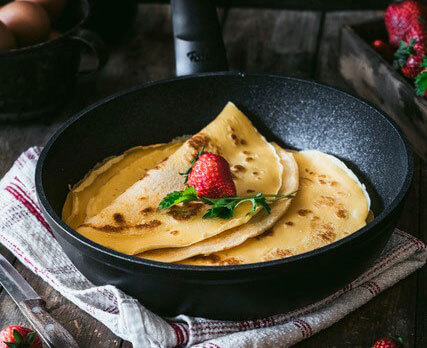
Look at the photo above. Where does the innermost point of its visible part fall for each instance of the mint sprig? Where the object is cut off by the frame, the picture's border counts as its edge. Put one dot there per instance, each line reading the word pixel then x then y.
pixel 193 162
pixel 222 207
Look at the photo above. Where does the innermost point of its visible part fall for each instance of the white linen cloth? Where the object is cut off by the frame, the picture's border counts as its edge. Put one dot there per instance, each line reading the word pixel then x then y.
pixel 26 234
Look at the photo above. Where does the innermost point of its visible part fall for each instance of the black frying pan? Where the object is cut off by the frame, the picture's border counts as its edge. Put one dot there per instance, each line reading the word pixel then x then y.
pixel 296 113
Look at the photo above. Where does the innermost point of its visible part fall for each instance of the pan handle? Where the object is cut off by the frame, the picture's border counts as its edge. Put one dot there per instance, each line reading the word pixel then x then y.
pixel 199 46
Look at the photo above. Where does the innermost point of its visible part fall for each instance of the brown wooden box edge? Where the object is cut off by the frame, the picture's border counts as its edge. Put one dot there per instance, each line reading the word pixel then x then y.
pixel 373 78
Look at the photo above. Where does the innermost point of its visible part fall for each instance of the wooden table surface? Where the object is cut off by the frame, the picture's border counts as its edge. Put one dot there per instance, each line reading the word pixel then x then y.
pixel 296 43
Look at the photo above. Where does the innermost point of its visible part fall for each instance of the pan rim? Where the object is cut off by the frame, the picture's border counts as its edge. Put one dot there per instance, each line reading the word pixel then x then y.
pixel 163 266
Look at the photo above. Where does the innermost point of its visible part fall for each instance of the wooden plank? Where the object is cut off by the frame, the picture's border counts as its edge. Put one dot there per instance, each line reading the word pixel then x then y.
pixel 271 41
pixel 327 64
pixel 376 80
pixel 421 319
pixel 330 5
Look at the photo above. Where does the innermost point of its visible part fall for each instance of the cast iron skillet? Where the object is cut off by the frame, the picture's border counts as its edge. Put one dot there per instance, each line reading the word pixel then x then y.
pixel 296 113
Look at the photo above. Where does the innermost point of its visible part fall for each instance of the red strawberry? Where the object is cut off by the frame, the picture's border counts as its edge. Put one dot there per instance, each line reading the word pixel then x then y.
pixel 388 342
pixel 211 177
pixel 413 66
pixel 417 33
pixel 399 17
pixel 384 49
pixel 19 337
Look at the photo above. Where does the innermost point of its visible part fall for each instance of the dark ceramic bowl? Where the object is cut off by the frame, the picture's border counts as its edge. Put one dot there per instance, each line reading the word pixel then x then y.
pixel 36 80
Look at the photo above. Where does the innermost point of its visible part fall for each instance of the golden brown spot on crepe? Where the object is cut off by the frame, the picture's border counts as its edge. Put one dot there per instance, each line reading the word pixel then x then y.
pixel 212 258
pixel 150 224
pixel 333 183
pixel 315 218
pixel 186 211
pixel 255 173
pixel 249 159
pixel 243 141
pixel 147 210
pixel 289 223
pixel 326 232
pixel 105 228
pixel 233 176
pixel 277 254
pixel 118 218
pixel 268 233
pixel 247 152
pixel 304 212
pixel 198 141
pixel 231 129
pixel 325 200
pixel 250 191
pixel 142 198
pixel 230 261
pixel 110 228
pixel 238 168
pixel 322 176
pixel 323 182
pixel 342 213
pixel 235 139
pixel 174 233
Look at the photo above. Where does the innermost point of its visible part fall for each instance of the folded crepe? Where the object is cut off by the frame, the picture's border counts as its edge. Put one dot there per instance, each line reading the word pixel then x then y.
pixel 331 203
pixel 111 178
pixel 132 224
pixel 238 235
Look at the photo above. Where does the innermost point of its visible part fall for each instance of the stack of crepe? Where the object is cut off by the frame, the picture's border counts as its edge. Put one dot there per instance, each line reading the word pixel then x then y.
pixel 115 204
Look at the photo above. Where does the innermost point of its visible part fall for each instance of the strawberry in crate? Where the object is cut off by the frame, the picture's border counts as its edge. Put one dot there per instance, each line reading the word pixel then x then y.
pixel 406 23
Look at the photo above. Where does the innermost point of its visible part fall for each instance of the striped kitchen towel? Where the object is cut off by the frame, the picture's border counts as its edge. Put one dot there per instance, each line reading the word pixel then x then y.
pixel 26 234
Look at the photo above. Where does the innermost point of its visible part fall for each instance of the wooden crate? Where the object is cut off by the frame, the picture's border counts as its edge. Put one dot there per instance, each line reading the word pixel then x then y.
pixel 373 78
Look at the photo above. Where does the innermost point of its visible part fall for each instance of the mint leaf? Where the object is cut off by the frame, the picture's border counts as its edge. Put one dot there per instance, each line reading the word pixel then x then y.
pixel 224 207
pixel 176 197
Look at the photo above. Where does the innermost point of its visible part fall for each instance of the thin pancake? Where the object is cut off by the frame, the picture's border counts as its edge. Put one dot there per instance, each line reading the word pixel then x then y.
pixel 110 179
pixel 132 224
pixel 331 203
pixel 238 235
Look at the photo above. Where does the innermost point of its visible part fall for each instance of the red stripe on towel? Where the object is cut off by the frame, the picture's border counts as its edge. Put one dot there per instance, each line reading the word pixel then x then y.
pixel 29 206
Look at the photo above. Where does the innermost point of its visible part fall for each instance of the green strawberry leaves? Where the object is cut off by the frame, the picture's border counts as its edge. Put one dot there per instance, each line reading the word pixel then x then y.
pixel 193 162
pixel 222 208
pixel 19 340
pixel 402 53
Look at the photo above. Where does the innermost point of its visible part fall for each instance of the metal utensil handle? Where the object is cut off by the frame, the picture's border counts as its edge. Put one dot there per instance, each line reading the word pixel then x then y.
pixel 52 333
pixel 199 46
